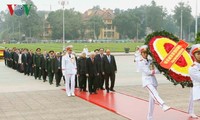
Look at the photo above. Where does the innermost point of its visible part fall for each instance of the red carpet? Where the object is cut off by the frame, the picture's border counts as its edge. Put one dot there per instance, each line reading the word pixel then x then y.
pixel 130 107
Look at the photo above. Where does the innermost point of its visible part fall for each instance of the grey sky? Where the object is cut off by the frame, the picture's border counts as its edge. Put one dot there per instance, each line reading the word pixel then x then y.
pixel 82 5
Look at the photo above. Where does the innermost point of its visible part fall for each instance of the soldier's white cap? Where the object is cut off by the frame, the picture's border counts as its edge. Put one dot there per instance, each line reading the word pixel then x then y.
pixel 143 48
pixel 194 49
pixel 69 47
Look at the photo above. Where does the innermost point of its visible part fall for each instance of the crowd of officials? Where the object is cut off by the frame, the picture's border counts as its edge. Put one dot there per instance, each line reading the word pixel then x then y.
pixel 93 70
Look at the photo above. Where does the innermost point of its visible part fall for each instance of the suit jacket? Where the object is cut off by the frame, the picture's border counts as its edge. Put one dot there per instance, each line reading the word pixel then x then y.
pixel 43 62
pixel 30 59
pixel 91 67
pixel 58 64
pixel 109 67
pixel 16 57
pixel 99 61
pixel 25 58
pixel 81 66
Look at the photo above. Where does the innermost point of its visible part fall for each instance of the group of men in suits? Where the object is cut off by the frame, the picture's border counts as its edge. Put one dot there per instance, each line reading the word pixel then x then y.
pixel 35 63
pixel 99 68
pixel 92 71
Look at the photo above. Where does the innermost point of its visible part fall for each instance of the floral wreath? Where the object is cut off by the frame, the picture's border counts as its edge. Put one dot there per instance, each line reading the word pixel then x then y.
pixel 159 45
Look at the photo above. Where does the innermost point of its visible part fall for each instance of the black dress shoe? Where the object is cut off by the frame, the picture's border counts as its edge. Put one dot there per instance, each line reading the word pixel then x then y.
pixel 102 88
pixel 90 92
pixel 112 90
pixel 85 91
pixel 56 85
pixel 107 91
pixel 95 92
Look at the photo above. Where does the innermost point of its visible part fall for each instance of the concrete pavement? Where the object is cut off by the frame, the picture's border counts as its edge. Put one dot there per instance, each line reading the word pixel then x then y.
pixel 24 98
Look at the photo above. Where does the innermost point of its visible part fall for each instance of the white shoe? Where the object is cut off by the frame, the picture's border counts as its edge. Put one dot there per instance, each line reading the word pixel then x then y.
pixel 165 108
pixel 73 94
pixel 68 95
pixel 192 115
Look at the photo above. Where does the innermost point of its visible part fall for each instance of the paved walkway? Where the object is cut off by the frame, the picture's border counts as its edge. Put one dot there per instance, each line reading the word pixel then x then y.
pixel 24 98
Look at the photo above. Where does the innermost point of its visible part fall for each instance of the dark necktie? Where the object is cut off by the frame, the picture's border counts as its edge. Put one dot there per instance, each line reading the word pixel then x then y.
pixel 69 55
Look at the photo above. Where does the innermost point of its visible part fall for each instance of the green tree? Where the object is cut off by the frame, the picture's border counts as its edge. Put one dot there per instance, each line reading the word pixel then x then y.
pixel 184 10
pixel 169 24
pixel 72 24
pixel 155 16
pixel 95 24
pixel 197 40
pixel 30 25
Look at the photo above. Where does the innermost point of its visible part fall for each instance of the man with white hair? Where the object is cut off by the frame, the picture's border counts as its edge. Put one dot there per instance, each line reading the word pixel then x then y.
pixel 92 72
pixel 149 81
pixel 194 72
pixel 69 70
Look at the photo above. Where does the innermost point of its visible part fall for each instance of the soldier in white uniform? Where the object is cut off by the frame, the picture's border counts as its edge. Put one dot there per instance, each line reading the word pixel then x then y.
pixel 69 70
pixel 149 81
pixel 137 57
pixel 194 72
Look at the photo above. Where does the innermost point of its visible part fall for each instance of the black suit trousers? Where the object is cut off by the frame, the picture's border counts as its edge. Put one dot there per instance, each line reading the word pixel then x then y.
pixel 82 81
pixel 58 76
pixel 92 83
pixel 110 76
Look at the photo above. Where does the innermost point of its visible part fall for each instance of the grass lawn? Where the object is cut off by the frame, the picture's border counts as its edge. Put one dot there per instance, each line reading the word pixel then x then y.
pixel 78 47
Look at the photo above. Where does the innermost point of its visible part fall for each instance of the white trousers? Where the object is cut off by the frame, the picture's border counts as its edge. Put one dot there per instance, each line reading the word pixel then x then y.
pixel 70 84
pixel 137 66
pixel 153 96
pixel 191 103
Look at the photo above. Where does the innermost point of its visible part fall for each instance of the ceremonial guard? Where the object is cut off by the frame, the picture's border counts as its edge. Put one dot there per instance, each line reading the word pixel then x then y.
pixel 37 60
pixel 69 70
pixel 137 57
pixel 194 72
pixel 149 81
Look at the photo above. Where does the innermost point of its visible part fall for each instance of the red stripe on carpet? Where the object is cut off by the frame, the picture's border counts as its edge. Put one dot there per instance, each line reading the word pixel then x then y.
pixel 130 107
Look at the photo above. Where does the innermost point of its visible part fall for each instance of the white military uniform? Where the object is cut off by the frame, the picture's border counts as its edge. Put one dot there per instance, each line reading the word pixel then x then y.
pixel 69 70
pixel 149 81
pixel 194 72
pixel 137 59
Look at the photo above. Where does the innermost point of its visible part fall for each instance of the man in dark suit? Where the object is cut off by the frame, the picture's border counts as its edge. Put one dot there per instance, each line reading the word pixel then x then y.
pixel 99 58
pixel 92 73
pixel 44 72
pixel 58 68
pixel 109 69
pixel 25 61
pixel 81 72
pixel 30 63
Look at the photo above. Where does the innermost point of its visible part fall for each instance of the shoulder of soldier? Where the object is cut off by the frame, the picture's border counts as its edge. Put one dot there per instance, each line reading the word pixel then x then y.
pixel 193 65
